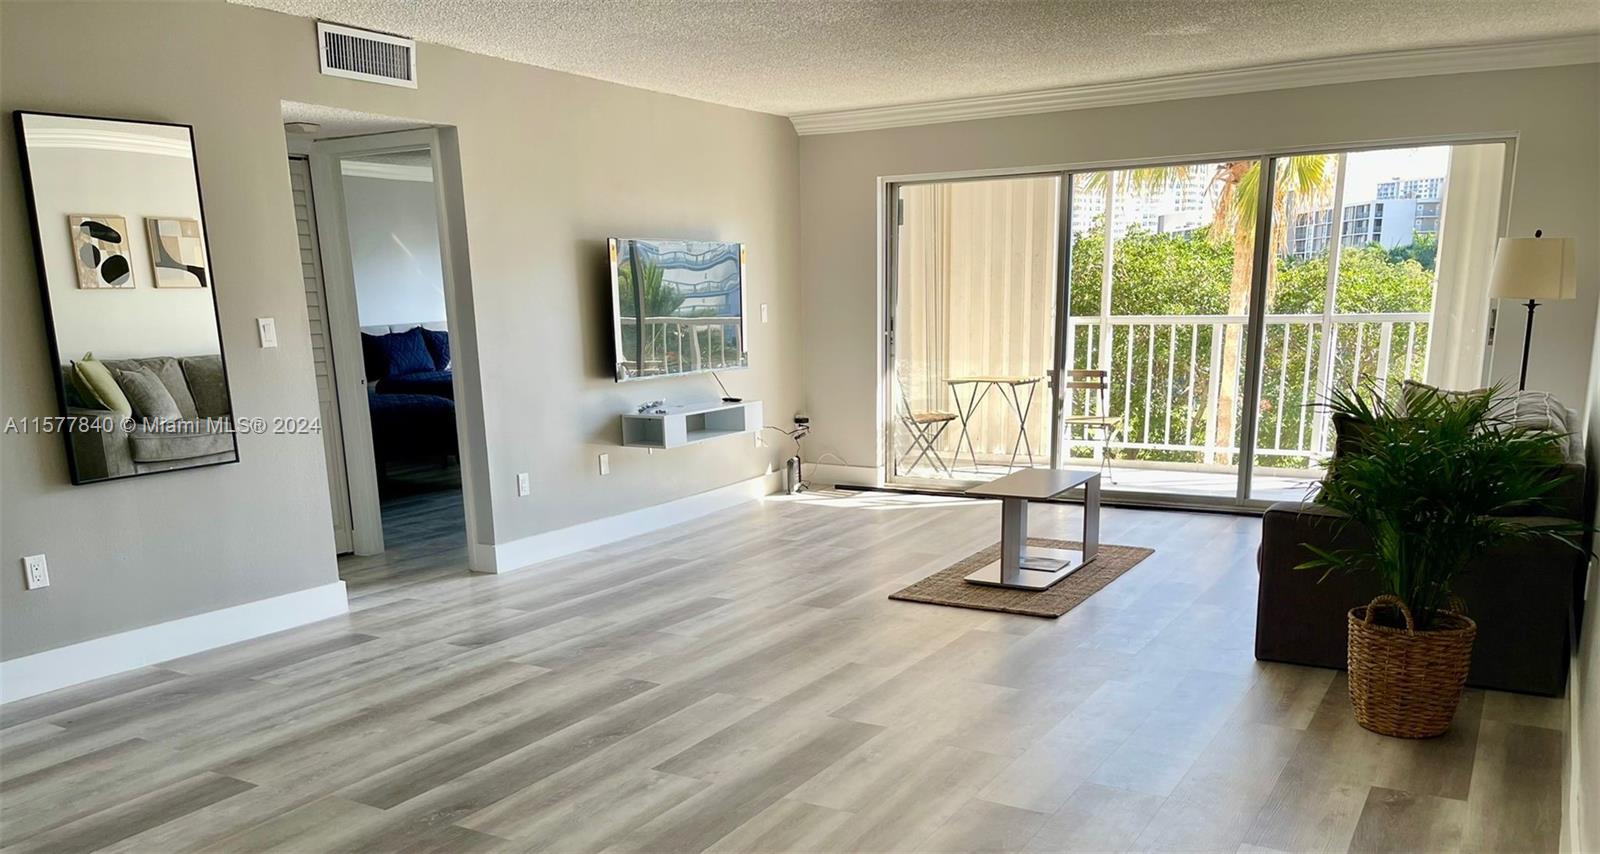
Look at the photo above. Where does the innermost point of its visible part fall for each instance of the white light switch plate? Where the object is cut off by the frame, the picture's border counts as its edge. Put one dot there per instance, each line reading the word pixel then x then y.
pixel 268 330
pixel 763 312
pixel 523 485
pixel 35 572
pixel 605 464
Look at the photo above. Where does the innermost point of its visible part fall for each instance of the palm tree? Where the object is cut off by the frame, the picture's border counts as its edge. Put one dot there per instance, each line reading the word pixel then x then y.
pixel 1303 180
pixel 660 300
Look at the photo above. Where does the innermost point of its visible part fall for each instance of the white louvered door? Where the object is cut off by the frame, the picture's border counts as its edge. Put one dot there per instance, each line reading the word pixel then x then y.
pixel 321 351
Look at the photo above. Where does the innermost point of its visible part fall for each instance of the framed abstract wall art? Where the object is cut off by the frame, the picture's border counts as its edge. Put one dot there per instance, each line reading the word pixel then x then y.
pixel 100 251
pixel 177 252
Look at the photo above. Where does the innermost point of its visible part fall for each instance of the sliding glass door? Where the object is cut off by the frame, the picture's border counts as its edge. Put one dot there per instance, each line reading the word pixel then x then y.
pixel 1183 335
pixel 972 340
pixel 1367 309
pixel 1161 279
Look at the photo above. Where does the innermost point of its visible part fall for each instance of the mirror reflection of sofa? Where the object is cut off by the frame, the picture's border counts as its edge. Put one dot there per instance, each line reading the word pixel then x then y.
pixel 179 406
pixel 409 392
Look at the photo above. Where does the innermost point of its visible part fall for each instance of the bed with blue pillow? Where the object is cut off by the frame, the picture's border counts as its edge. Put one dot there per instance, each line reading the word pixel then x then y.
pixel 412 359
pixel 409 391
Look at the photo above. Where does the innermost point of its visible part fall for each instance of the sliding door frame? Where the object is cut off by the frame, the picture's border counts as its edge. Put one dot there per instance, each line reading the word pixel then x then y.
pixel 1063 325
pixel 887 386
pixel 1255 329
pixel 1252 338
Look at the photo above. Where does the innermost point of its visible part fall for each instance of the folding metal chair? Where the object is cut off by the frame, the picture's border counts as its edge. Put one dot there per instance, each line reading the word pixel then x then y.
pixel 925 427
pixel 1109 425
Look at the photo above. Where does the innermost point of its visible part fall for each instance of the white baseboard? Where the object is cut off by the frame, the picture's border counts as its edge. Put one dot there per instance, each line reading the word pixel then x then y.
pixel 92 659
pixel 519 554
pixel 1580 831
pixel 833 474
pixel 1572 795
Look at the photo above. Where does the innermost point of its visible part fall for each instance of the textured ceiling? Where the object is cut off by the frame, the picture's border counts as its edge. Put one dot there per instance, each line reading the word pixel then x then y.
pixel 337 121
pixel 798 56
pixel 421 159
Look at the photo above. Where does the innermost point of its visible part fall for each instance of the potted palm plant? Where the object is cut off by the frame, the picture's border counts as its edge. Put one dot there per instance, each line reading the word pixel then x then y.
pixel 1431 486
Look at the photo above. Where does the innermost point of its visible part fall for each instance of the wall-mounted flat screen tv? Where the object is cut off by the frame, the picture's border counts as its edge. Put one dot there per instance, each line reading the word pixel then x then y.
pixel 677 307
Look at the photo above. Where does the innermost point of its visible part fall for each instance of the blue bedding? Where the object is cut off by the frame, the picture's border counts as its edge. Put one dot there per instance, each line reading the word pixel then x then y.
pixel 412 426
pixel 436 383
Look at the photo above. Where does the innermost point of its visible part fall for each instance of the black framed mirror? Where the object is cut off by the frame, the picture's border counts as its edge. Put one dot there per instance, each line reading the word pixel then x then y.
pixel 130 304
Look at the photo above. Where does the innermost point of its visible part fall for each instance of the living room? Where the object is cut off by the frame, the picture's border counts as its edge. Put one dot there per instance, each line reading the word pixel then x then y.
pixel 628 640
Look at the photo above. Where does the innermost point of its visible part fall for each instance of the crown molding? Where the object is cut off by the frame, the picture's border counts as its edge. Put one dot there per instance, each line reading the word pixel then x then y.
pixel 388 171
pixel 1422 62
pixel 96 139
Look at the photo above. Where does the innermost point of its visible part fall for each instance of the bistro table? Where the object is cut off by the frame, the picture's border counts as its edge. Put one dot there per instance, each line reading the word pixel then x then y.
pixel 978 387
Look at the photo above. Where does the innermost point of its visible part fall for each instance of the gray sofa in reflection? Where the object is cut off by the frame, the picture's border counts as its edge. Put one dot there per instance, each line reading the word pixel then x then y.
pixel 113 448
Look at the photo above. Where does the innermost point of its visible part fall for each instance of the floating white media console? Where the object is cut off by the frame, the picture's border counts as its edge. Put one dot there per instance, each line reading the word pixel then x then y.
pixel 686 424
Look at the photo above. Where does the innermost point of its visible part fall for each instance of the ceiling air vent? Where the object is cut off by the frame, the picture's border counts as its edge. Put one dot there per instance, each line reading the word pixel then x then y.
pixel 365 55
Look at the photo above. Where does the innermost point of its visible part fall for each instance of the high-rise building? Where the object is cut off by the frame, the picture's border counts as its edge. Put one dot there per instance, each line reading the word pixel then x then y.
pixel 1412 188
pixel 1178 206
pixel 1387 221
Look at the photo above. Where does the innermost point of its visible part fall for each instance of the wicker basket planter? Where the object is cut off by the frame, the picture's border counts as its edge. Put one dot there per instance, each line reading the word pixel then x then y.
pixel 1403 682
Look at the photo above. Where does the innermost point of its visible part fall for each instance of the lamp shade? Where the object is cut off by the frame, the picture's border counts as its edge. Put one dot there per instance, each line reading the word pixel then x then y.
pixel 1536 268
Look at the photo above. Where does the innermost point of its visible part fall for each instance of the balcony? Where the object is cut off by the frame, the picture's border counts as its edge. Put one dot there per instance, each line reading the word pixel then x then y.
pixel 1143 282
pixel 1179 415
pixel 675 345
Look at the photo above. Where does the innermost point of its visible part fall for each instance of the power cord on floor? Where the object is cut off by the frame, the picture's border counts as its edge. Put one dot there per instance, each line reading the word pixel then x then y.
pixel 820 457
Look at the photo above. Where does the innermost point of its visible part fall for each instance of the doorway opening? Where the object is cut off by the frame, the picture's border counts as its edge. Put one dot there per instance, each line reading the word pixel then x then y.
pixel 382 292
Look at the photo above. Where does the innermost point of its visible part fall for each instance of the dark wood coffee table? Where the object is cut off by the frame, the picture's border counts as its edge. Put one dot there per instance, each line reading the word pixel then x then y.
pixel 1026 568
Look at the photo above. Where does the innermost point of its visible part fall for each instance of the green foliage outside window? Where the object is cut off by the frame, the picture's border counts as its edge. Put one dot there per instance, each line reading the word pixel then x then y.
pixel 1190 274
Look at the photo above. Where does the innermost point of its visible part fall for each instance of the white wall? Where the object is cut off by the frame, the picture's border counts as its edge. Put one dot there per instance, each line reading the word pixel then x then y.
pixel 1582 830
pixel 550 168
pixel 1552 112
pixel 119 323
pixel 394 250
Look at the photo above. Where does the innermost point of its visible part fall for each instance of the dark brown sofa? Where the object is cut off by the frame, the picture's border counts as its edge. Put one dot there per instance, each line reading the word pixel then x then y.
pixel 1521 595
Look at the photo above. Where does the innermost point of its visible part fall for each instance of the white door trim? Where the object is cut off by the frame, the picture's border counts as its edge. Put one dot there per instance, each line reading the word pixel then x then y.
pixel 344 331
pixel 332 424
pixel 345 326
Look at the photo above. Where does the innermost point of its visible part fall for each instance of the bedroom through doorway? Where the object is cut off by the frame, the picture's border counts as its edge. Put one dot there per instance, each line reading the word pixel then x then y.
pixel 374 247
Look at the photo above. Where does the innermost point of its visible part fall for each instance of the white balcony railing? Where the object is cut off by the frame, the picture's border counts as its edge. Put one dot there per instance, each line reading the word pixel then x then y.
pixel 674 345
pixel 1166 375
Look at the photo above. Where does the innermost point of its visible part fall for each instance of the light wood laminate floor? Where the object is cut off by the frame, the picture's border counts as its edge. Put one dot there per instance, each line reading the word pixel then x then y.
pixel 742 683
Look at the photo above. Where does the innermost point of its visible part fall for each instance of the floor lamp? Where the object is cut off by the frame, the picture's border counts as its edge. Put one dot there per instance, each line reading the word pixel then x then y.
pixel 1533 269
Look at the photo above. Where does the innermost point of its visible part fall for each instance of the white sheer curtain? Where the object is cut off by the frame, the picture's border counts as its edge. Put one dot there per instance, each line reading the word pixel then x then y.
pixel 976 296
pixel 1468 231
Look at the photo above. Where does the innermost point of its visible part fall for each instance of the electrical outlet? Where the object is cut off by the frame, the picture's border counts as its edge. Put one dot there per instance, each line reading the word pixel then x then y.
pixel 605 464
pixel 35 572
pixel 763 312
pixel 524 486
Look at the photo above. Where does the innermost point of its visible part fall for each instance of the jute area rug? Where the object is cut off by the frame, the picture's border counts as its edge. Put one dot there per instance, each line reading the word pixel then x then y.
pixel 949 586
